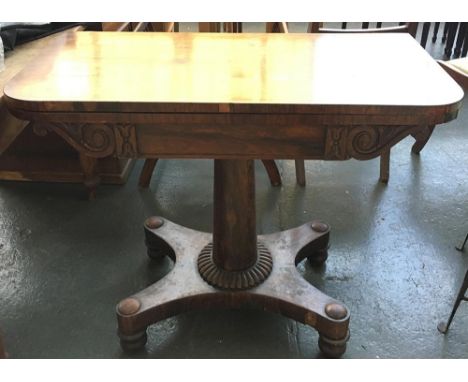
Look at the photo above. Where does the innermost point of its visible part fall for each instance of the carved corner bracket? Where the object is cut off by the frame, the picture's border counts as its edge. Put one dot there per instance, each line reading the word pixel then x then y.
pixel 97 140
pixel 363 142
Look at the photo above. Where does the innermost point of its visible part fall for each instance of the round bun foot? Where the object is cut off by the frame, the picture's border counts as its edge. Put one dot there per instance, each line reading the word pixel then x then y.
pixel 318 258
pixel 332 348
pixel 133 343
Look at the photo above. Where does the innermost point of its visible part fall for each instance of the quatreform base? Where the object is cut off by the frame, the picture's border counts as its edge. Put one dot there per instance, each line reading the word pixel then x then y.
pixel 272 283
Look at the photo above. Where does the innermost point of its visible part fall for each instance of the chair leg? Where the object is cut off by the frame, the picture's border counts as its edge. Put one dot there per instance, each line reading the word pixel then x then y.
pixel 421 137
pixel 147 172
pixel 150 164
pixel 384 166
pixel 3 353
pixel 462 247
pixel 91 179
pixel 273 172
pixel 444 327
pixel 300 172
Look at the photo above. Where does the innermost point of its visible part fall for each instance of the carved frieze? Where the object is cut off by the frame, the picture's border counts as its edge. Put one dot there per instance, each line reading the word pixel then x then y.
pixel 99 140
pixel 362 142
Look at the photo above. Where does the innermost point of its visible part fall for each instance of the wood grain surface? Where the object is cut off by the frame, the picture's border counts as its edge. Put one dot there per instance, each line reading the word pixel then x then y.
pixel 229 73
pixel 15 61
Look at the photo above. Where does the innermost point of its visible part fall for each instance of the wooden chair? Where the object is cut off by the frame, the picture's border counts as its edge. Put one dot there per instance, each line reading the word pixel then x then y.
pixel 282 27
pixel 455 39
pixel 424 134
pixel 458 70
pixel 229 27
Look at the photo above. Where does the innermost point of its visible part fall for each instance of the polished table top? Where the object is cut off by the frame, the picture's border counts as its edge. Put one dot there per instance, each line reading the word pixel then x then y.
pixel 257 72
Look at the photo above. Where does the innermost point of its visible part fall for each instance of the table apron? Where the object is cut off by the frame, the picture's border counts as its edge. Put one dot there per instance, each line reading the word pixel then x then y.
pixel 247 140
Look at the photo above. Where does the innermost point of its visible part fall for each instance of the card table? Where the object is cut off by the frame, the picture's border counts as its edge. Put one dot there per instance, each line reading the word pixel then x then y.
pixel 234 98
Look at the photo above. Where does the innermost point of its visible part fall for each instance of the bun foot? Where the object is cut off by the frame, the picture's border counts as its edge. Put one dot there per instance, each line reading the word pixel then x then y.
pixel 157 248
pixel 133 343
pixel 332 348
pixel 318 258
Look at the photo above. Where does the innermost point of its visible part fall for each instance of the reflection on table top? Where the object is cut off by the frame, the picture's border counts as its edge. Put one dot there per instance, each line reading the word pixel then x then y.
pixel 109 71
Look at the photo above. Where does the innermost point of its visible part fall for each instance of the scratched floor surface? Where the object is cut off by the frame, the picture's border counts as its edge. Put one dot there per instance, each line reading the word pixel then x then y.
pixel 65 262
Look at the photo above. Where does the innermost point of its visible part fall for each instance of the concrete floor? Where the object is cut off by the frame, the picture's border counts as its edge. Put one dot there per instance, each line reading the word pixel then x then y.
pixel 65 262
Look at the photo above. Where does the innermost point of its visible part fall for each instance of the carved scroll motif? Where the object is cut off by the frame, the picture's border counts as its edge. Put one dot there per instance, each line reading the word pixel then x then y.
pixel 363 142
pixel 369 142
pixel 99 140
pixel 39 129
pixel 94 140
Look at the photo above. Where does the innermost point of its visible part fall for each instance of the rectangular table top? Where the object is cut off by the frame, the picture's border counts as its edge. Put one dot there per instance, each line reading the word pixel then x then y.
pixel 245 73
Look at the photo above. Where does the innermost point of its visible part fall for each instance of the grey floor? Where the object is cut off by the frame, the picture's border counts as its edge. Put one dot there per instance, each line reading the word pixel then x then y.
pixel 65 262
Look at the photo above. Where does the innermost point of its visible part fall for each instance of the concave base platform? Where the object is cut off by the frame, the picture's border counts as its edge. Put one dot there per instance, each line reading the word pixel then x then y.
pixel 283 291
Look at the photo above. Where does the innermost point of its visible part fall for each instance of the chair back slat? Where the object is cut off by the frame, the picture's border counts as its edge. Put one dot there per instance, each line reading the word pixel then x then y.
pixel 410 28
pixel 396 29
pixel 124 27
pixel 232 27
pixel 163 27
pixel 277 27
pixel 209 27
pixel 139 27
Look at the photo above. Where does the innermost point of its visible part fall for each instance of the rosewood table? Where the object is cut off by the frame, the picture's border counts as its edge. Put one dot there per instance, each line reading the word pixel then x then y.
pixel 234 98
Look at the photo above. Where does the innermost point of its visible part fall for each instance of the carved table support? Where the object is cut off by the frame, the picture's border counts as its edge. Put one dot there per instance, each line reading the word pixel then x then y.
pixel 234 219
pixel 94 141
pixel 235 268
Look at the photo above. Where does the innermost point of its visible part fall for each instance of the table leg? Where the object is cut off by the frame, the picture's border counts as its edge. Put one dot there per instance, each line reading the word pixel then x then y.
pixel 235 268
